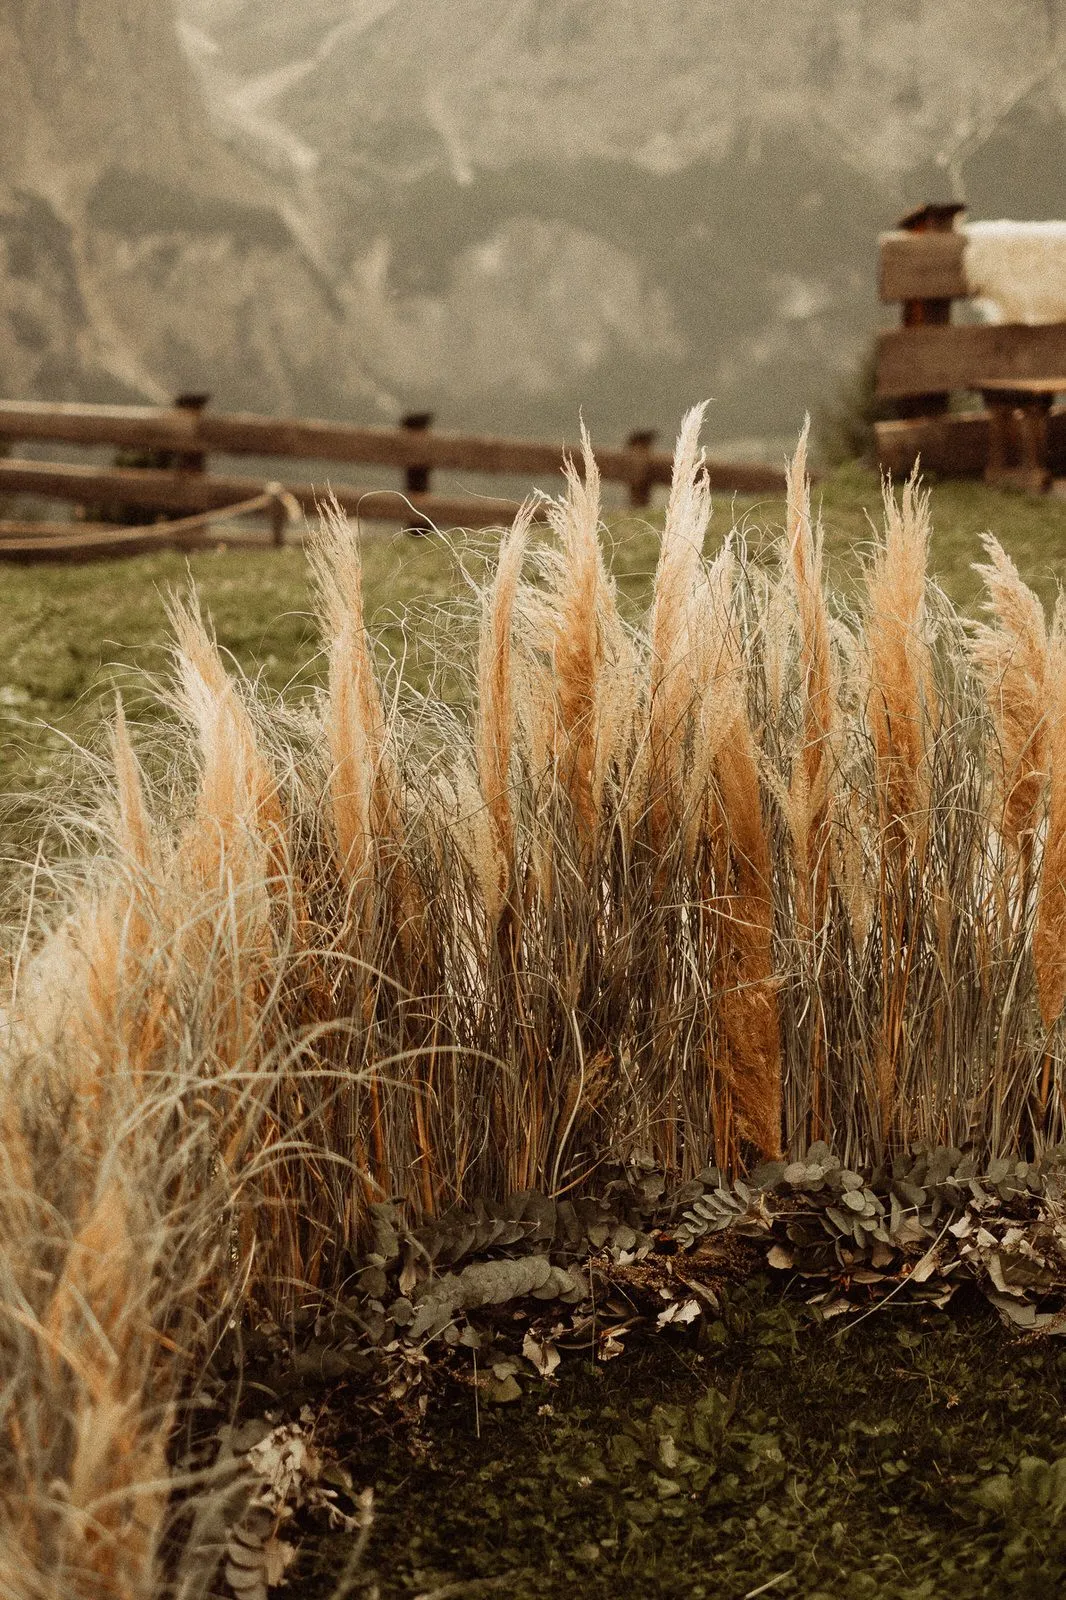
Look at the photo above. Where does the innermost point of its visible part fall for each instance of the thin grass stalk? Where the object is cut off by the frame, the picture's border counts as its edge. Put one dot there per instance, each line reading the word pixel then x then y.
pixel 677 577
pixel 811 793
pixel 1049 931
pixel 898 710
pixel 494 730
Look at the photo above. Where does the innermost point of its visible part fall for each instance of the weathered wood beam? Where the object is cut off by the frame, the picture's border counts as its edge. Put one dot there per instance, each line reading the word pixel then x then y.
pixel 920 360
pixel 188 492
pixel 921 266
pixel 128 427
pixel 180 429
pixel 956 445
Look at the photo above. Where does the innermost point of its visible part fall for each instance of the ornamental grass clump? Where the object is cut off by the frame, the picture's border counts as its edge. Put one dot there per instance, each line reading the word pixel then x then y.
pixel 759 872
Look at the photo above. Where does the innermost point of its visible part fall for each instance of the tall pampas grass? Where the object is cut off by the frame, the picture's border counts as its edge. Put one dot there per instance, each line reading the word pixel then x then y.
pixel 899 709
pixel 900 714
pixel 1011 653
pixel 671 624
pixel 362 787
pixel 113 1213
pixel 811 789
pixel 1049 932
pixel 494 732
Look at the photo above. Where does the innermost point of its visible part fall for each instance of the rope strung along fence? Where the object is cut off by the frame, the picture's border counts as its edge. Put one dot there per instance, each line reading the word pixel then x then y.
pixel 183 532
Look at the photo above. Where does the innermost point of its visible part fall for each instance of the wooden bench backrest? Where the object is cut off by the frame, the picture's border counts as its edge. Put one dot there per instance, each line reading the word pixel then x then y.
pixel 928 357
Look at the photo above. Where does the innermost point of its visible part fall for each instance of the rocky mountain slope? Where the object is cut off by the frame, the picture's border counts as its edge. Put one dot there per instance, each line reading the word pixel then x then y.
pixel 503 211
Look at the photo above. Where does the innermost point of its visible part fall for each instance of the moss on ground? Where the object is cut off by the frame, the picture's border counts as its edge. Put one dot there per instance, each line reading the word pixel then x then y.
pixel 908 1459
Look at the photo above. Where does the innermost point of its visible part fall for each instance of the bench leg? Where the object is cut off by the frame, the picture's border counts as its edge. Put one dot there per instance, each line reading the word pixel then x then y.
pixel 997 471
pixel 1029 414
pixel 1033 420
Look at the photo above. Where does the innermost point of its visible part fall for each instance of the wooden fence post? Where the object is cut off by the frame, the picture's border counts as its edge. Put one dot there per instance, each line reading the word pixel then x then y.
pixel 640 487
pixel 416 478
pixel 416 475
pixel 191 460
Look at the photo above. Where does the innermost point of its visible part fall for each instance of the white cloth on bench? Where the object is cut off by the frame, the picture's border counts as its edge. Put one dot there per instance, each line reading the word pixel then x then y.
pixel 1018 268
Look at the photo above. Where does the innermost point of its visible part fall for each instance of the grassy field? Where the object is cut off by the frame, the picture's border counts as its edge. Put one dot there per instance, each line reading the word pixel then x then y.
pixel 713 892
pixel 69 636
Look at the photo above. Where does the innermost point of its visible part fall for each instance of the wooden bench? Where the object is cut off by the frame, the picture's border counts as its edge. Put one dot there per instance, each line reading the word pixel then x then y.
pixel 1019 438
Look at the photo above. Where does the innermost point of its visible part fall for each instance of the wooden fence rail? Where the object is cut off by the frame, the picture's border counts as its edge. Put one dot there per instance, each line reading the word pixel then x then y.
pixel 184 434
pixel 167 490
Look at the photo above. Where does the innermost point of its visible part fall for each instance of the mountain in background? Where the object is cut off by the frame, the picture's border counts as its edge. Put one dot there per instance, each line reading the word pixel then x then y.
pixel 504 212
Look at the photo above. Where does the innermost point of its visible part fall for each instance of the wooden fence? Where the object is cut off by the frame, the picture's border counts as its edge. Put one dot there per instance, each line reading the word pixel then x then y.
pixel 175 442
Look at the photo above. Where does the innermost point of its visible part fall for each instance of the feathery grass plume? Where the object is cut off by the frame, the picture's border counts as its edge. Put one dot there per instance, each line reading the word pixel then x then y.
pixel 493 737
pixel 135 914
pixel 1049 932
pixel 134 825
pixel 233 839
pixel 587 647
pixel 714 667
pixel 899 712
pixel 98 957
pixel 809 802
pixel 811 787
pixel 98 1326
pixel 238 803
pixel 688 515
pixel 1011 654
pixel 234 849
pixel 746 980
pixel 363 787
pixel 98 984
pixel 900 701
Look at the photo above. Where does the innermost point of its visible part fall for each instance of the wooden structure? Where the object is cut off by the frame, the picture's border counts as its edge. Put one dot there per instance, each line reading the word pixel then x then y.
pixel 1019 438
pixel 172 444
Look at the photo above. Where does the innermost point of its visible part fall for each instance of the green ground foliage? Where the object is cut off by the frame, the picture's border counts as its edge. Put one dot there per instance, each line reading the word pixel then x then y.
pixel 917 1455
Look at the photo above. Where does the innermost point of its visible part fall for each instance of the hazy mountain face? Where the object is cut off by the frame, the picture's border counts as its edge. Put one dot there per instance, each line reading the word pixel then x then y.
pixel 504 211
